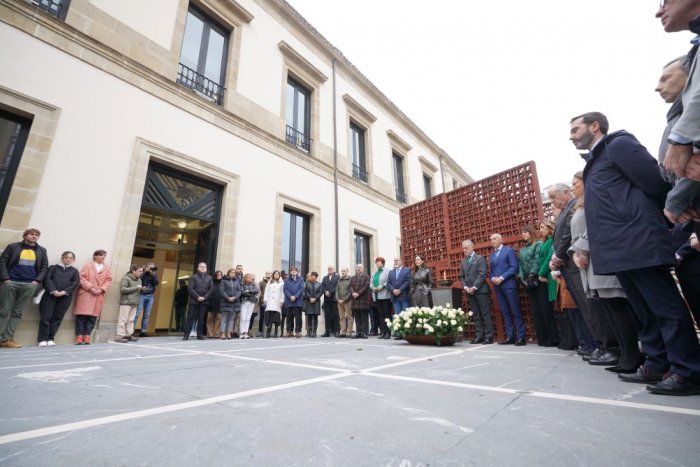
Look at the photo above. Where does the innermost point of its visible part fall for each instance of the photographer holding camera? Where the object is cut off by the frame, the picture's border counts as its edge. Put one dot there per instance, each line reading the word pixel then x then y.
pixel 149 282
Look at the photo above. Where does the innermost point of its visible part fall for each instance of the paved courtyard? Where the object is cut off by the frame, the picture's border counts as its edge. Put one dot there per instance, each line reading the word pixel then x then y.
pixel 343 402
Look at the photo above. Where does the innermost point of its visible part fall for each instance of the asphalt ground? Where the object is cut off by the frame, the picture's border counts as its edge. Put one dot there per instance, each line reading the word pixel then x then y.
pixel 327 401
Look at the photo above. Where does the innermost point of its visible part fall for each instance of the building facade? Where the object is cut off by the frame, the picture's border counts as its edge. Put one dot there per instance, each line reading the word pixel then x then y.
pixel 178 131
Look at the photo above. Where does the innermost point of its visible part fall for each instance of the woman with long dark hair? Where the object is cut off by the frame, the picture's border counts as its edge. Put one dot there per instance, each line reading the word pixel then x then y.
pixel 421 282
pixel 274 298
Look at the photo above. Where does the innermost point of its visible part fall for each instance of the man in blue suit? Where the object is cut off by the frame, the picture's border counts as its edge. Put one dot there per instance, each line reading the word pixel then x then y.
pixel 504 267
pixel 397 283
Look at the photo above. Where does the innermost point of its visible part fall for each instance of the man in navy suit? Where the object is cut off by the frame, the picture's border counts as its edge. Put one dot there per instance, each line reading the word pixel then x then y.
pixel 397 283
pixel 504 267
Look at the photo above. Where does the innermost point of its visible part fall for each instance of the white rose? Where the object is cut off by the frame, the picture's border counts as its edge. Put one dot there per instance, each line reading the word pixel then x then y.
pixel 453 322
pixel 439 322
pixel 460 329
pixel 471 313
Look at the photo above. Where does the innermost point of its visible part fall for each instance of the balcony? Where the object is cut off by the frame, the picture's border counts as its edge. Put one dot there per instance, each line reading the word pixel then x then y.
pixel 57 8
pixel 400 196
pixel 200 84
pixel 298 139
pixel 359 173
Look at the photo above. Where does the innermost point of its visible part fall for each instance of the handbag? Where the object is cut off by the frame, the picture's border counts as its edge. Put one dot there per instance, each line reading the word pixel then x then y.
pixel 529 282
pixel 564 299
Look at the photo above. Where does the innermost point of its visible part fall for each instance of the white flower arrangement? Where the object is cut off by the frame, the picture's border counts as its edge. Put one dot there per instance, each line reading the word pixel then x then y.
pixel 437 321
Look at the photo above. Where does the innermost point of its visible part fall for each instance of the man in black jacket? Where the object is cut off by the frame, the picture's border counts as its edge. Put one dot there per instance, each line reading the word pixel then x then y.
pixel 329 284
pixel 23 265
pixel 149 282
pixel 200 288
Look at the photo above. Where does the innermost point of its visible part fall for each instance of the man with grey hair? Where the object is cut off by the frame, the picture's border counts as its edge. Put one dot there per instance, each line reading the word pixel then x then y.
pixel 472 274
pixel 562 199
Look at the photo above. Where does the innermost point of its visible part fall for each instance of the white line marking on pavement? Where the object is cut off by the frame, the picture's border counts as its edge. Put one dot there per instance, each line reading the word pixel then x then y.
pixel 413 360
pixel 545 395
pixel 279 362
pixel 31 434
pixel 83 362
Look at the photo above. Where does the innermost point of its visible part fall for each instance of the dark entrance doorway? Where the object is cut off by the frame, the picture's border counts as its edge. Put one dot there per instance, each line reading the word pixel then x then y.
pixel 178 228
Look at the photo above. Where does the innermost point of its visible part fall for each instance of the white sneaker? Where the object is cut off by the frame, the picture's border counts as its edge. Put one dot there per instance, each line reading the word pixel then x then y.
pixel 43 344
pixel 50 343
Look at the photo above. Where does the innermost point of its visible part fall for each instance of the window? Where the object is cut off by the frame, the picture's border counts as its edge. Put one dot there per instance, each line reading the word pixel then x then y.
pixel 359 162
pixel 298 115
pixel 295 241
pixel 57 8
pixel 427 185
pixel 203 56
pixel 398 179
pixel 362 250
pixel 13 136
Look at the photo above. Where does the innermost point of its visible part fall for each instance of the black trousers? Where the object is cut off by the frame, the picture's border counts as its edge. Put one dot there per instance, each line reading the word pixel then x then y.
pixel 294 319
pixel 480 306
pixel 51 310
pixel 690 285
pixel 312 322
pixel 543 315
pixel 373 319
pixel 196 311
pixel 384 312
pixel 84 324
pixel 261 321
pixel 626 328
pixel 330 313
pixel 361 320
pixel 668 336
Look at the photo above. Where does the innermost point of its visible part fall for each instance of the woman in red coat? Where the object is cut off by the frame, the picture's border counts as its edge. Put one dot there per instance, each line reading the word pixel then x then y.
pixel 95 279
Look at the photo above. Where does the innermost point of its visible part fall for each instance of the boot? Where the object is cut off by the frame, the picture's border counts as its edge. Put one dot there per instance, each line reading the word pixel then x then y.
pixel 314 331
pixel 275 331
pixel 267 331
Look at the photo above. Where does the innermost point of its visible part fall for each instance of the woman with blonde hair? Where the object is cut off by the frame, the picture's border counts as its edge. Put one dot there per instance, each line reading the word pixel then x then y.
pixel 249 296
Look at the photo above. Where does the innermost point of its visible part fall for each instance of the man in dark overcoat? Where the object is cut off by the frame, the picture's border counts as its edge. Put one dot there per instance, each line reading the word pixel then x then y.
pixel 629 237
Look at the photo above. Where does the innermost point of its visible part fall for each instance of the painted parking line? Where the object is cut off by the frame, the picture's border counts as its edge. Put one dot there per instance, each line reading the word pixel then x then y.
pixel 545 395
pixel 101 360
pixel 281 362
pixel 53 430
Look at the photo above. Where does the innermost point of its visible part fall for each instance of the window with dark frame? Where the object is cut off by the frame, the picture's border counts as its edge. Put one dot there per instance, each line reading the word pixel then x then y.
pixel 359 161
pixel 362 253
pixel 298 115
pixel 203 56
pixel 398 179
pixel 57 8
pixel 427 185
pixel 14 131
pixel 295 241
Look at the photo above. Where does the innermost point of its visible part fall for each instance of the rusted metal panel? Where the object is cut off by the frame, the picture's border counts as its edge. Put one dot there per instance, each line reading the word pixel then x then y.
pixel 502 203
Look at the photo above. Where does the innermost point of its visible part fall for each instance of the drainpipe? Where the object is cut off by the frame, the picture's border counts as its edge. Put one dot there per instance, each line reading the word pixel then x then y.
pixel 335 174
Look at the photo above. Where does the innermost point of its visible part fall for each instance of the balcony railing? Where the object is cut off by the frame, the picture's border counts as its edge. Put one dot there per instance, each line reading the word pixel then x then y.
pixel 359 173
pixel 298 139
pixel 401 197
pixel 57 8
pixel 200 84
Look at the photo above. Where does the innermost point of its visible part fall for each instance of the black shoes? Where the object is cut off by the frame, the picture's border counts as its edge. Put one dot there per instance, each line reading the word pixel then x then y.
pixel 487 342
pixel 675 385
pixel 643 375
pixel 509 341
pixel 200 338
pixel 522 341
pixel 326 334
pixel 186 338
pixel 143 334
pixel 478 340
pixel 608 358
